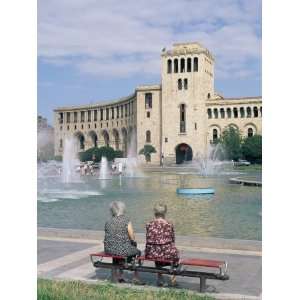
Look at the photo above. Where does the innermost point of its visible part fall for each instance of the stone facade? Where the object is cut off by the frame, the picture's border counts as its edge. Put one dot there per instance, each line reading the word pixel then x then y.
pixel 180 117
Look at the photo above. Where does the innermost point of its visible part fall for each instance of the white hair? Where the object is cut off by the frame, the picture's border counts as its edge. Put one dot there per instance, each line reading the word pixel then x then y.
pixel 160 210
pixel 117 208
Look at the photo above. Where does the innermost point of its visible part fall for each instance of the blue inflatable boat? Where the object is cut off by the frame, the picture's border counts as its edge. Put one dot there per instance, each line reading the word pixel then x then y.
pixel 199 191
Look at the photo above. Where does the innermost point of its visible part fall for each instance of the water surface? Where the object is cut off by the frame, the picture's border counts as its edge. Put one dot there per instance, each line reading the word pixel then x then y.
pixel 233 212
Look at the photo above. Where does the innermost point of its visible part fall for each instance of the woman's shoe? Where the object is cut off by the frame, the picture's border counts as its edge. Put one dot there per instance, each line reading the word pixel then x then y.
pixel 162 283
pixel 173 282
pixel 138 282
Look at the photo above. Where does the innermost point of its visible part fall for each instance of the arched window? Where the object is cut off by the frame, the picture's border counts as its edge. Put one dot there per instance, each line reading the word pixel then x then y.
pixel 260 109
pixel 169 66
pixel 185 84
pixel 208 96
pixel 81 142
pixel 222 113
pixel 112 112
pixel 248 112
pixel 255 112
pixel 148 100
pixel 179 84
pixel 148 136
pixel 60 143
pixel 228 113
pixel 235 112
pixel 182 118
pixel 216 113
pixel 189 65
pixel 107 113
pixel 209 113
pixel 195 64
pixel 242 112
pixel 182 65
pixel 61 118
pixel 175 65
pixel 215 135
pixel 250 132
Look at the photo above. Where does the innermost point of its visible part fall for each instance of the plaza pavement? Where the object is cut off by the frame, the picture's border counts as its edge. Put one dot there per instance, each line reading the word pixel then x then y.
pixel 64 254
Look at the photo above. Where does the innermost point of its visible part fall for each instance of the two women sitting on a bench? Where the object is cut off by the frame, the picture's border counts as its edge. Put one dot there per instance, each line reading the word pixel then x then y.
pixel 119 240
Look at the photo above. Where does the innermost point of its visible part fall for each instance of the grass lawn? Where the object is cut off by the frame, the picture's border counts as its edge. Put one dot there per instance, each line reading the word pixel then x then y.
pixel 76 290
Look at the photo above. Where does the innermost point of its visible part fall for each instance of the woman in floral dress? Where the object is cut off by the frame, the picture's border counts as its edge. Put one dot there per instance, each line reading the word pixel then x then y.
pixel 160 241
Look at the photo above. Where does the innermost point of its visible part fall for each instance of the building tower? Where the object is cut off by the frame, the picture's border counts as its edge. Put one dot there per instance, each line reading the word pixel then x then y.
pixel 187 82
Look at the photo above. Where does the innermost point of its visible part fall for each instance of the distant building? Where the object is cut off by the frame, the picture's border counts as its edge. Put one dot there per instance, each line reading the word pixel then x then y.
pixel 45 139
pixel 180 117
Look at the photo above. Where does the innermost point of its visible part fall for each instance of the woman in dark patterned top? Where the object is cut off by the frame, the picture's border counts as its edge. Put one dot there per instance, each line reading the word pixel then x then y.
pixel 119 239
pixel 160 241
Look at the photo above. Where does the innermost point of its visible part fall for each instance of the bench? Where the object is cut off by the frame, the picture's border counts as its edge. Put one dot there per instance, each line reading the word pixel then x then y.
pixel 206 269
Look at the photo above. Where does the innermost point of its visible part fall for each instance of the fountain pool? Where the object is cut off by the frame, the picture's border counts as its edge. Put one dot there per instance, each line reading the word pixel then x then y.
pixel 234 211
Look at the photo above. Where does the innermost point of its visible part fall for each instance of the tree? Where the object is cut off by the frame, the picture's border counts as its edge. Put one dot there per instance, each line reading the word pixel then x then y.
pixel 231 141
pixel 252 149
pixel 147 151
pixel 118 154
pixel 89 154
pixel 108 152
pixel 96 154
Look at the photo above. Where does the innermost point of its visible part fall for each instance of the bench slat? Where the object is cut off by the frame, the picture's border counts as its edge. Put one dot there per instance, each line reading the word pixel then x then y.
pixel 103 254
pixel 202 263
pixel 188 261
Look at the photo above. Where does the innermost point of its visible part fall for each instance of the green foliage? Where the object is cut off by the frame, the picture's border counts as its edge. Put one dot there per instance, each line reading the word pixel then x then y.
pixel 119 154
pixel 252 149
pixel 58 158
pixel 231 141
pixel 89 154
pixel 108 152
pixel 76 290
pixel 147 151
pixel 96 154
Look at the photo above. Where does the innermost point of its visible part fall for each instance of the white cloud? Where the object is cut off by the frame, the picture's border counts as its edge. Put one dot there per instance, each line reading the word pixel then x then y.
pixel 124 38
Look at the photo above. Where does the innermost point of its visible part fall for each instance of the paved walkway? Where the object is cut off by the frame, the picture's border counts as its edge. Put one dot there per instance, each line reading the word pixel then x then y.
pixel 64 254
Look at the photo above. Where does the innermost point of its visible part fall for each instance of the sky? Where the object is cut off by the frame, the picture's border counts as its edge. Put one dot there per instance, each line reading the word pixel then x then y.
pixel 97 50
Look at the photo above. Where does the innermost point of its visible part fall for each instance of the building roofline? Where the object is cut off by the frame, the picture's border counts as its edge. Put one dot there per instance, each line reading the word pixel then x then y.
pixel 97 104
pixel 230 101
pixel 241 98
pixel 148 87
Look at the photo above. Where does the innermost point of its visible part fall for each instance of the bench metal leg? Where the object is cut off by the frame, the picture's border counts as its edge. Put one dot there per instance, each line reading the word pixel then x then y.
pixel 114 275
pixel 202 284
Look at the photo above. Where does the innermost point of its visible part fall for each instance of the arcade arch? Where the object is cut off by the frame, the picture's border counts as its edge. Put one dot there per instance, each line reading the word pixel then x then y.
pixel 183 152
pixel 80 140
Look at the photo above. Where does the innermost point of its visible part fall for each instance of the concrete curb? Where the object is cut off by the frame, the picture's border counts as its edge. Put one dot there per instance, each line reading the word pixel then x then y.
pixel 191 241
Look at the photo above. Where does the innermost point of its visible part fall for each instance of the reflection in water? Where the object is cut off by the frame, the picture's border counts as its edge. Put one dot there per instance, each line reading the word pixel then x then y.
pixel 233 212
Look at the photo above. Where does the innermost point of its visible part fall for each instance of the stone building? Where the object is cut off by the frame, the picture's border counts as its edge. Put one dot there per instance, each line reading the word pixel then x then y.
pixel 180 117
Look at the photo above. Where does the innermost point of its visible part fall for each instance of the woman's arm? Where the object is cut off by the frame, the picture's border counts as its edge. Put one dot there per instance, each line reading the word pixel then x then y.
pixel 130 231
pixel 172 233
